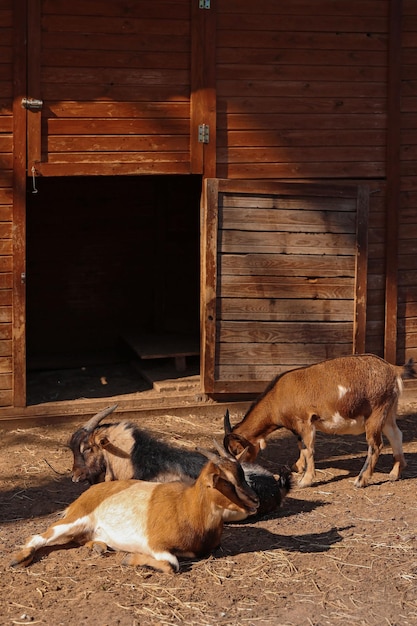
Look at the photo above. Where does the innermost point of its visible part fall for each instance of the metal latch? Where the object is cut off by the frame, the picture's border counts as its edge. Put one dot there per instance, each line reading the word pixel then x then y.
pixel 204 4
pixel 203 133
pixel 33 104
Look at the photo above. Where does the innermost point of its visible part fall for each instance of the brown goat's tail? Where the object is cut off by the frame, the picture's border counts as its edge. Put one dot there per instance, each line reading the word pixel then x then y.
pixel 408 370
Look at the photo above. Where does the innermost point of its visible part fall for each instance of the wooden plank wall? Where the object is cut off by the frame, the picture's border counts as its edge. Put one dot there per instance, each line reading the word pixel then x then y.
pixel 115 77
pixel 302 94
pixel 407 264
pixel 6 200
pixel 286 280
pixel 302 89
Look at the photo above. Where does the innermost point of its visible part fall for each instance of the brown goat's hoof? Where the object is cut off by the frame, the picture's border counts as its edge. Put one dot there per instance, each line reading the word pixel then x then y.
pixel 22 559
pixel 393 476
pixel 360 483
pixel 304 483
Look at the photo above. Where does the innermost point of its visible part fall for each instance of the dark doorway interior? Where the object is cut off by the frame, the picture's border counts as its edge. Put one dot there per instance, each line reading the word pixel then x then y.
pixel 108 259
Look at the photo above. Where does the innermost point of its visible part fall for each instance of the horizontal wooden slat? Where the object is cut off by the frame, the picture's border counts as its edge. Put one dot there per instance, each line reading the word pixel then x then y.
pixel 284 332
pixel 112 77
pixel 299 170
pixel 303 220
pixel 6 381
pixel 5 347
pixel 6 364
pixel 116 24
pixel 261 353
pixel 314 73
pixel 270 287
pixel 147 9
pixel 244 120
pixel 305 138
pixel 119 143
pixel 5 316
pixel 6 397
pixel 304 203
pixel 303 22
pixel 117 42
pixel 308 57
pixel 144 60
pixel 5 230
pixel 274 309
pixel 304 40
pixel 279 154
pixel 82 167
pixel 264 8
pixel 137 126
pixel 5 329
pixel 234 241
pixel 288 265
pixel 115 111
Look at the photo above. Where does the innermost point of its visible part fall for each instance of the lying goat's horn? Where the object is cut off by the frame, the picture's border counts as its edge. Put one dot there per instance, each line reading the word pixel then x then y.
pixel 96 419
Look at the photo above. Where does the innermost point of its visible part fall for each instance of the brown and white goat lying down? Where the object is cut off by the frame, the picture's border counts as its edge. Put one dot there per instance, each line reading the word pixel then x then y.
pixel 154 522
pixel 121 451
pixel 344 396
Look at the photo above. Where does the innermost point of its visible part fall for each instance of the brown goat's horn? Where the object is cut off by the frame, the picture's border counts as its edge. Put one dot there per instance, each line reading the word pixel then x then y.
pixel 226 423
pixel 211 456
pixel 96 419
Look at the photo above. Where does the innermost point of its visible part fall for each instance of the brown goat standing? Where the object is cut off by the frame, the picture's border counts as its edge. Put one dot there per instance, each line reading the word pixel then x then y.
pixel 344 396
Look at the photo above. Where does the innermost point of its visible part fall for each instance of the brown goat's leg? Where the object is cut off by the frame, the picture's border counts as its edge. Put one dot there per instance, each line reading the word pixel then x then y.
pixel 300 465
pixel 99 547
pixel 308 455
pixel 148 561
pixel 395 437
pixel 374 449
pixel 59 533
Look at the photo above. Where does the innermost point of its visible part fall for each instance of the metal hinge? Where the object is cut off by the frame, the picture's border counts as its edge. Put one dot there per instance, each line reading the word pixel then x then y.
pixel 33 104
pixel 203 133
pixel 204 4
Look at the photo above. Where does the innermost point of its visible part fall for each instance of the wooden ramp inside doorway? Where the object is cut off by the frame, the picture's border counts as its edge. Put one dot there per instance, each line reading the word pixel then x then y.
pixel 167 360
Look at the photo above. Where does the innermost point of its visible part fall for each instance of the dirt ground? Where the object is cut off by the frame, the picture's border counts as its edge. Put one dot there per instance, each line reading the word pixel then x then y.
pixel 332 555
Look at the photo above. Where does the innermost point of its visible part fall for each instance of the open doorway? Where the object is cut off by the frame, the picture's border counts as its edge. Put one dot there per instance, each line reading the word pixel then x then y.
pixel 112 266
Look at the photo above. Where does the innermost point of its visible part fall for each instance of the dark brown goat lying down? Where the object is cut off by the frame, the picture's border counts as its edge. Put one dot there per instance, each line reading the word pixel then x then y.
pixel 123 451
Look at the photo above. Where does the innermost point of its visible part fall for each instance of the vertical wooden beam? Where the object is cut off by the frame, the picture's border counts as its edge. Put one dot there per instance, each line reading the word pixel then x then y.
pixel 19 201
pixel 361 273
pixel 203 87
pixel 393 174
pixel 209 231
pixel 34 118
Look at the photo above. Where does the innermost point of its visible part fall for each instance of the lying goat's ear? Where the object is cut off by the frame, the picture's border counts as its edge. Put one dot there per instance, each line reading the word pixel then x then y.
pixel 112 449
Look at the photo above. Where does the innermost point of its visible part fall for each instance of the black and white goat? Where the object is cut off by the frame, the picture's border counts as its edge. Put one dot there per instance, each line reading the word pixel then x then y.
pixel 154 522
pixel 122 451
pixel 344 396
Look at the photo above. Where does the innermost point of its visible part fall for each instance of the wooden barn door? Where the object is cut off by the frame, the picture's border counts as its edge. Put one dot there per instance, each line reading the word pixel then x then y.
pixel 284 279
pixel 112 88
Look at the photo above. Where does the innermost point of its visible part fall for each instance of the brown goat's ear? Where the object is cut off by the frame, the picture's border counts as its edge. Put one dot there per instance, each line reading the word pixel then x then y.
pixel 238 445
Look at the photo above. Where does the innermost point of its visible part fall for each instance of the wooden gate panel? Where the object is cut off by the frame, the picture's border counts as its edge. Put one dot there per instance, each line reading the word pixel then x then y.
pixel 286 279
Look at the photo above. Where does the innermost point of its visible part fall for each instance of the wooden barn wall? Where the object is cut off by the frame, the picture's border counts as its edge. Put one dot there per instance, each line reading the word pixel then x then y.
pixel 302 95
pixel 6 200
pixel 407 263
pixel 301 89
pixel 115 78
